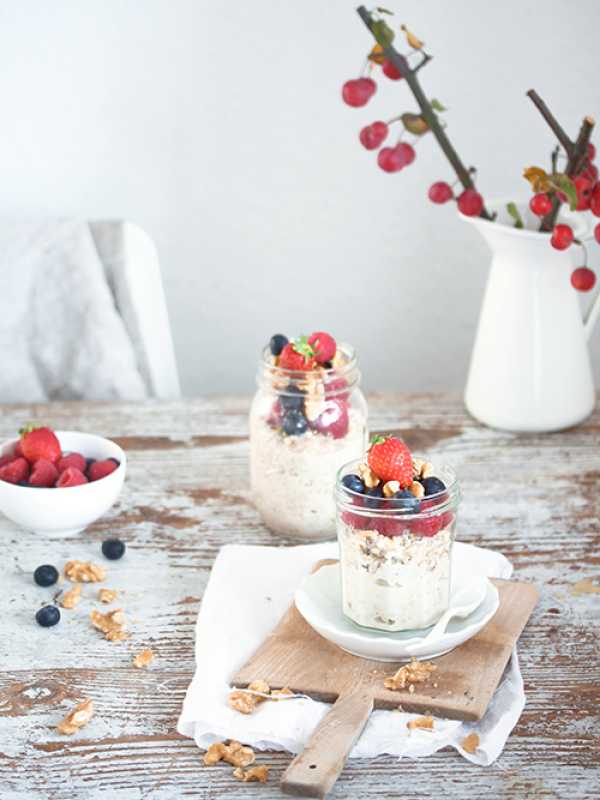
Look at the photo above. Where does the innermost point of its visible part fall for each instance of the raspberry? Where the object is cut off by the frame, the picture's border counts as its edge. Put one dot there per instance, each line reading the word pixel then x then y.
pixel 16 471
pixel 72 460
pixel 43 474
pixel 100 469
pixel 334 387
pixel 334 419
pixel 71 477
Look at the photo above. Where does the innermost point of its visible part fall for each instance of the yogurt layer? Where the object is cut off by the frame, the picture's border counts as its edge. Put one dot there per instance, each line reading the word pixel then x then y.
pixel 293 477
pixel 394 583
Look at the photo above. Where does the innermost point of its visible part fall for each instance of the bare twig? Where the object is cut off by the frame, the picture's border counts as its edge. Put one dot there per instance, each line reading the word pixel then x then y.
pixel 551 120
pixel 429 115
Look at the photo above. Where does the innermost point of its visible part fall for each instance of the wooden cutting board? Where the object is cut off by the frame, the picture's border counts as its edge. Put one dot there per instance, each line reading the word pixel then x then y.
pixel 294 655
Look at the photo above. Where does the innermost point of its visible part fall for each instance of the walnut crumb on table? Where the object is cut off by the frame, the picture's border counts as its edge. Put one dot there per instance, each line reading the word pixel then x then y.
pixel 142 659
pixel 409 674
pixel 107 595
pixel 71 597
pixel 246 700
pixel 258 773
pixel 233 753
pixel 84 572
pixel 76 718
pixel 112 624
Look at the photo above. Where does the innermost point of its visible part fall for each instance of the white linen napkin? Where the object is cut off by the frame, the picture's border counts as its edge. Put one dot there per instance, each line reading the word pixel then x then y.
pixel 248 591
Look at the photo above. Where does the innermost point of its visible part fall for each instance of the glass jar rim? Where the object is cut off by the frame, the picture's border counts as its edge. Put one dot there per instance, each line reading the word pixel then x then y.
pixel 438 503
pixel 348 370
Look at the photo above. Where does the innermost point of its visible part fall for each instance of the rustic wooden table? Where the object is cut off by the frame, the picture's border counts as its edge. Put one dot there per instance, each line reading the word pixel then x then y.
pixel 535 498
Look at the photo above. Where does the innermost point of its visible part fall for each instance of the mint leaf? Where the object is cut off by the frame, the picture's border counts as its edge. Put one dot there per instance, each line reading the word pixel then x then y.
pixel 514 213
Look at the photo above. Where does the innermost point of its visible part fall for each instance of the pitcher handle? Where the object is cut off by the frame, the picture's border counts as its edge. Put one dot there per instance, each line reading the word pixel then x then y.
pixel 591 316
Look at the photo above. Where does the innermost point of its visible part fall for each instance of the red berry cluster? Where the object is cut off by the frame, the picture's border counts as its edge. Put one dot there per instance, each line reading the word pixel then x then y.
pixel 357 93
pixel 38 461
pixel 587 188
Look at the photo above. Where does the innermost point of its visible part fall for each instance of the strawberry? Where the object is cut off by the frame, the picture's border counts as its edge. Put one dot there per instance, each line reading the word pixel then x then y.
pixel 39 443
pixel 324 346
pixel 390 460
pixel 72 460
pixel 334 419
pixel 71 477
pixel 100 469
pixel 44 474
pixel 298 356
pixel 15 472
pixel 7 459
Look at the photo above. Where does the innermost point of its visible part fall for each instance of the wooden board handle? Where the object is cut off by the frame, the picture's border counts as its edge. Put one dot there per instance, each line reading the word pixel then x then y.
pixel 314 771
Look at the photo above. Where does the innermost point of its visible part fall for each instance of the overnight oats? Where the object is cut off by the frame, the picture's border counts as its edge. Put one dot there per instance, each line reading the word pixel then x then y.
pixel 396 516
pixel 308 418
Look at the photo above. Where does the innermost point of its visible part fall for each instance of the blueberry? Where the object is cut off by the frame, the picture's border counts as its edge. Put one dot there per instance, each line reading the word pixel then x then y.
pixel 23 483
pixel 292 399
pixel 46 575
pixel 113 549
pixel 374 494
pixel 47 616
pixel 277 343
pixel 294 423
pixel 406 501
pixel 354 483
pixel 327 365
pixel 89 462
pixel 433 486
pixel 115 461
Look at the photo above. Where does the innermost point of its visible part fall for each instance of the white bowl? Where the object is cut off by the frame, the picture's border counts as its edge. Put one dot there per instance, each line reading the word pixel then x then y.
pixel 319 600
pixel 57 513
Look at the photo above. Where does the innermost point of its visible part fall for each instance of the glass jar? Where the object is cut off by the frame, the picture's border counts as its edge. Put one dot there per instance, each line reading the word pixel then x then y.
pixel 395 561
pixel 303 427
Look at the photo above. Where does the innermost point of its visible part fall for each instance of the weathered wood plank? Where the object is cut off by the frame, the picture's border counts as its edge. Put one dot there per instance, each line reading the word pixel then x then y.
pixel 533 497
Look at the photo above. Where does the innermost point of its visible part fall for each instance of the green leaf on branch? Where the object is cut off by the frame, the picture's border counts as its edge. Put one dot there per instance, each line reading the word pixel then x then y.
pixel 385 11
pixel 514 213
pixel 437 106
pixel 414 123
pixel 562 183
pixel 382 32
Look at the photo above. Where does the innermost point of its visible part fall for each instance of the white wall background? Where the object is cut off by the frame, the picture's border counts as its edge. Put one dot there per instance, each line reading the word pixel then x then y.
pixel 219 128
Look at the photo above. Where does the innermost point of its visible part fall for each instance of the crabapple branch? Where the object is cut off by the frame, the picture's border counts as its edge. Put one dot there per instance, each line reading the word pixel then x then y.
pixel 429 115
pixel 553 123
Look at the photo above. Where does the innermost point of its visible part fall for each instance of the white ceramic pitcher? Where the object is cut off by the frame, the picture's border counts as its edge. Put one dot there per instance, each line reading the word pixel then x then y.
pixel 530 368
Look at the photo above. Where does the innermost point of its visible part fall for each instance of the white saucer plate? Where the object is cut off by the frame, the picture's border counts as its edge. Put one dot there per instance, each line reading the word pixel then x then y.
pixel 318 599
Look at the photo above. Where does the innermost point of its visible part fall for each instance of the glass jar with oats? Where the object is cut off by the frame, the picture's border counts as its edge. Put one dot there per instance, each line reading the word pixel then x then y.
pixel 308 418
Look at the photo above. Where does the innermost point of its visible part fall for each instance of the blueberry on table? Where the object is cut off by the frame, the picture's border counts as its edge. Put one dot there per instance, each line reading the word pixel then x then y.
pixel 277 343
pixel 45 575
pixel 404 500
pixel 433 486
pixel 294 423
pixel 113 549
pixel 47 616
pixel 292 398
pixel 374 495
pixel 353 483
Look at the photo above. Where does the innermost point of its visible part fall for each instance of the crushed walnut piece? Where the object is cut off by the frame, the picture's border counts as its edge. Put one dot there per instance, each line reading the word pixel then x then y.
pixel 244 701
pixel 422 468
pixel 368 476
pixel 390 488
pixel 84 572
pixel 233 753
pixel 112 624
pixel 413 672
pixel 276 694
pixel 107 595
pixel 417 489
pixel 422 723
pixel 142 659
pixel 71 597
pixel 258 773
pixel 76 718
pixel 470 743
